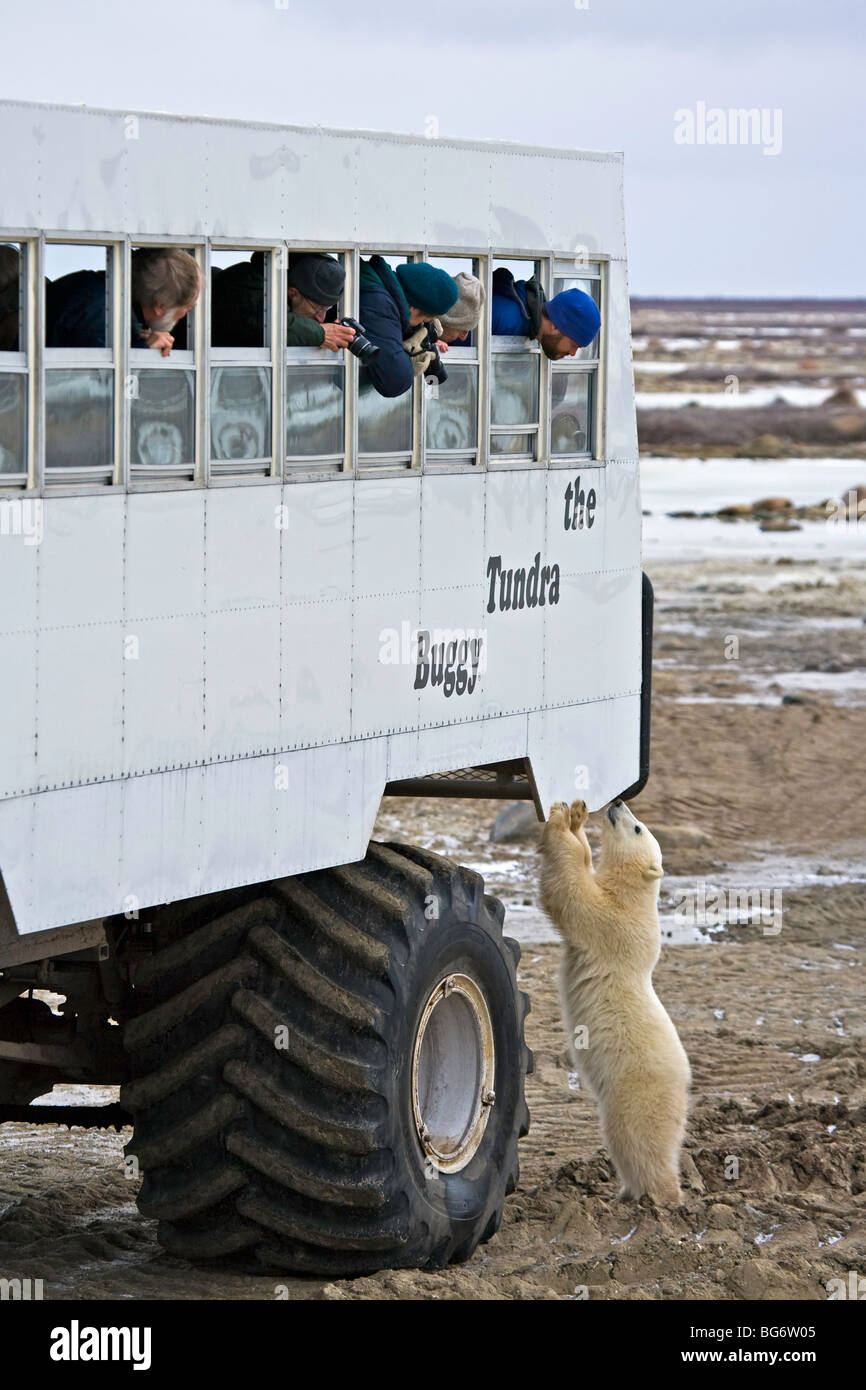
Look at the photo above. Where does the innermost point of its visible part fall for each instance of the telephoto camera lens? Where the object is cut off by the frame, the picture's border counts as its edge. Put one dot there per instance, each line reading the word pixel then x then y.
pixel 360 346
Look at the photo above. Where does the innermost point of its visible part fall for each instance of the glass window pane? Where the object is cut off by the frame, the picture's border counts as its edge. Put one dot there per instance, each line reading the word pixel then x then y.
pixel 314 411
pixel 593 289
pixel 570 422
pixel 576 282
pixel 452 410
pixel 512 444
pixel 13 422
pixel 162 429
pixel 240 412
pixel 11 266
pixel 384 422
pixel 513 388
pixel 79 424
pixel 76 299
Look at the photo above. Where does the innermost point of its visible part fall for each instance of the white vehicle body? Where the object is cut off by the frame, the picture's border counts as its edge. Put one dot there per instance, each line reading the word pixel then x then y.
pixel 210 680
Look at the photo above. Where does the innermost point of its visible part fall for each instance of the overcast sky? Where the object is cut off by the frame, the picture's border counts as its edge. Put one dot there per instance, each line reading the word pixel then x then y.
pixel 702 218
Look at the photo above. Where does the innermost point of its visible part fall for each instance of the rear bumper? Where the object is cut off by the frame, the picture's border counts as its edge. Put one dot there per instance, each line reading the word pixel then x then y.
pixel 645 689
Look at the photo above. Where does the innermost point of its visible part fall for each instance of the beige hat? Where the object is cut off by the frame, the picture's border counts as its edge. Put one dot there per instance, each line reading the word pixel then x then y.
pixel 470 301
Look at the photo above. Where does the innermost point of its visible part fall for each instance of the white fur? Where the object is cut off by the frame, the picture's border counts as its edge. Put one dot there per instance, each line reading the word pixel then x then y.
pixel 633 1062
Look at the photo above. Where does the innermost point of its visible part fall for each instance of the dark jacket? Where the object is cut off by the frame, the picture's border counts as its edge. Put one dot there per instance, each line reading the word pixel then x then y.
pixel 238 309
pixel 75 312
pixel 384 312
pixel 517 305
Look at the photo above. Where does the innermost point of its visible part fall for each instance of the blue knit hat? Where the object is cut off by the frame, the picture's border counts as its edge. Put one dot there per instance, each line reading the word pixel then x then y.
pixel 427 288
pixel 575 315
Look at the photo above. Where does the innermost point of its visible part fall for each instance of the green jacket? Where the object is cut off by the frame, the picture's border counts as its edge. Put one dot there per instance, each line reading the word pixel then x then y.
pixel 302 332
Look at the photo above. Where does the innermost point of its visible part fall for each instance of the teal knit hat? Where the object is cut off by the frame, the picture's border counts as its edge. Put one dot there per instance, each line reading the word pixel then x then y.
pixel 427 288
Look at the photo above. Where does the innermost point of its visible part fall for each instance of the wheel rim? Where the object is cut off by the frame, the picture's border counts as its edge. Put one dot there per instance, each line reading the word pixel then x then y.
pixel 453 1068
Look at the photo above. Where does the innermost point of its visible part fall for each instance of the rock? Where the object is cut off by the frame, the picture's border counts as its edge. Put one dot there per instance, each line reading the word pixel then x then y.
pixel 721 1217
pixel 779 523
pixel 773 504
pixel 517 822
pixel 672 837
pixel 851 425
pixel 681 515
pixel 798 700
pixel 736 509
pixel 766 446
pixel 844 395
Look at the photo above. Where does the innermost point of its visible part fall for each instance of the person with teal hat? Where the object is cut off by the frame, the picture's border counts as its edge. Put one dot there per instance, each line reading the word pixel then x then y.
pixel 391 304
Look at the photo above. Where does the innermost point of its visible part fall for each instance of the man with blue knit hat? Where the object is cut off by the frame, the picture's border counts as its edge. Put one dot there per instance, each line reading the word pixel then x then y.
pixel 391 304
pixel 561 325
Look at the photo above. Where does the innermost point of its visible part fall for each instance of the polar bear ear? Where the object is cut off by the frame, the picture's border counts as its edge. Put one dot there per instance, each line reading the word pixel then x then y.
pixel 654 871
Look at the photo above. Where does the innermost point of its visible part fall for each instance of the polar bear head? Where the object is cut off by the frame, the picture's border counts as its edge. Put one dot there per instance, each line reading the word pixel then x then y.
pixel 629 850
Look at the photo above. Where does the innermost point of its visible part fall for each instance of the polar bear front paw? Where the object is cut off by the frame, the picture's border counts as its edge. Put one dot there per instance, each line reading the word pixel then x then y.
pixel 559 816
pixel 578 815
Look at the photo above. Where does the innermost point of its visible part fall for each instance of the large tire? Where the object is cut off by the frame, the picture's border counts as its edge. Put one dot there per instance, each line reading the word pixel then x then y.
pixel 282 1102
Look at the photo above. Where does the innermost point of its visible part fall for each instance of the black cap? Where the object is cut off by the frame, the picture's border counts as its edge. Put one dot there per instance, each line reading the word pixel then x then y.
pixel 318 277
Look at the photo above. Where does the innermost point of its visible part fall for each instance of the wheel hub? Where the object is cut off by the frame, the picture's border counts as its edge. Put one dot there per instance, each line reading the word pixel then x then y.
pixel 453 1069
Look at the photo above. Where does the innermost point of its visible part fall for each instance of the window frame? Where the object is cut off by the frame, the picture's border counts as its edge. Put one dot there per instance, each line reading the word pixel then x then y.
pixel 310 467
pixel 590 268
pixel 63 481
pixel 21 362
pixel 265 469
pixel 34 360
pixel 398 463
pixel 463 460
pixel 499 344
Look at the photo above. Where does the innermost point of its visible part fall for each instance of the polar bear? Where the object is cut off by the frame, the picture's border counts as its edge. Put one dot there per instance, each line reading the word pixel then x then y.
pixel 622 1041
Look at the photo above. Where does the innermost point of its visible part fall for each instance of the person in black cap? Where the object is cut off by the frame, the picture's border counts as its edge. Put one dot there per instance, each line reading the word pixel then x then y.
pixel 315 283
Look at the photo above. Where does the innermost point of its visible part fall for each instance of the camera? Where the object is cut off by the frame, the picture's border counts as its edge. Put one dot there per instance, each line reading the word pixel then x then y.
pixel 360 346
pixel 436 370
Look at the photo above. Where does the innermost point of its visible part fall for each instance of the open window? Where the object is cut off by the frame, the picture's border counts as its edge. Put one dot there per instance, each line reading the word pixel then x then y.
pixel 14 363
pixel 241 361
pixel 316 384
pixel 574 381
pixel 386 424
pixel 81 292
pixel 161 389
pixel 515 374
pixel 451 406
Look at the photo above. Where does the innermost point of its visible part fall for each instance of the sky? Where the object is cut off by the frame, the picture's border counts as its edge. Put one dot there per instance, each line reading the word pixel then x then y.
pixel 780 213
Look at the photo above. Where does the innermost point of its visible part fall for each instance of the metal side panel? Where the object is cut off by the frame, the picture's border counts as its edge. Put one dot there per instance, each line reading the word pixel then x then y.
pixel 316 673
pixel 515 532
pixel 620 434
pixel 589 751
pixel 622 532
pixel 165 539
pixel 162 175
pixel 387 579
pixel 188 832
pixel 592 647
pixel 316 541
pixel 81 561
pixel 18 683
pixel 75 874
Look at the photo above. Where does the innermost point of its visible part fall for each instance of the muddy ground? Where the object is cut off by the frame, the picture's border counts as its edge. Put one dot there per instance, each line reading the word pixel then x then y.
pixel 775 1159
